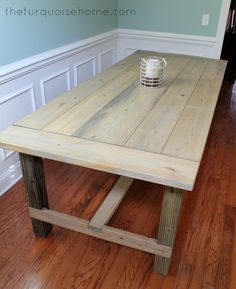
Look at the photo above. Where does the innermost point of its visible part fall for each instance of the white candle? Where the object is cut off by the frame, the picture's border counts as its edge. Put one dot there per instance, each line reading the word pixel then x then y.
pixel 153 68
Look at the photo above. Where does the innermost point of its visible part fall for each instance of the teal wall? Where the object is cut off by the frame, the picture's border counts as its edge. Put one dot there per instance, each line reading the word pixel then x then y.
pixel 173 16
pixel 25 36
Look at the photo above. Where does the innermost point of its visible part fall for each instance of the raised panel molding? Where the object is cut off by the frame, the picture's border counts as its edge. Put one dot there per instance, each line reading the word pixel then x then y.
pixel 129 51
pixel 19 92
pixel 2 155
pixel 5 154
pixel 106 58
pixel 10 105
pixel 9 177
pixel 82 63
pixel 45 80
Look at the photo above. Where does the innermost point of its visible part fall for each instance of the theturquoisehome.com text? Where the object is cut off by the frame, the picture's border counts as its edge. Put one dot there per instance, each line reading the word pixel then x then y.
pixel 10 11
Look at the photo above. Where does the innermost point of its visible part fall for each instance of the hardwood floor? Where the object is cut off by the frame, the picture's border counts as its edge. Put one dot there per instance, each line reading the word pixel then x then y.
pixel 205 249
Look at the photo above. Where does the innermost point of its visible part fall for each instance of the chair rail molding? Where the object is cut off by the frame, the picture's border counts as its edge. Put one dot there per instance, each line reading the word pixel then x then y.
pixel 28 65
pixel 130 40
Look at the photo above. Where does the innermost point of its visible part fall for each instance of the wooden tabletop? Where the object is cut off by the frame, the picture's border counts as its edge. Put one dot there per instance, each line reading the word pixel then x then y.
pixel 113 124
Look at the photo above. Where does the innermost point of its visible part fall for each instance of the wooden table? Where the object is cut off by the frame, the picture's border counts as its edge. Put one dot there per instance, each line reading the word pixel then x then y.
pixel 112 124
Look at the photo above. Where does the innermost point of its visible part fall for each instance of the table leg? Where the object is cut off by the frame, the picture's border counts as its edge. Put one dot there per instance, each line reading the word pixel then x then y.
pixel 167 228
pixel 33 174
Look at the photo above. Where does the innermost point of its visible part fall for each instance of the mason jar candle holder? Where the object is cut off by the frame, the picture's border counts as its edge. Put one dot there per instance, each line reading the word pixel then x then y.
pixel 152 70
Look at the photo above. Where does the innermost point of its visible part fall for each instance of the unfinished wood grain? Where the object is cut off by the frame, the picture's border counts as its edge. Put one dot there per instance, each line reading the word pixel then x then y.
pixel 168 225
pixel 110 204
pixel 79 114
pixel 128 162
pixel 189 137
pixel 120 110
pixel 54 109
pixel 32 168
pixel 156 129
pixel 110 234
pixel 117 121
pixel 47 114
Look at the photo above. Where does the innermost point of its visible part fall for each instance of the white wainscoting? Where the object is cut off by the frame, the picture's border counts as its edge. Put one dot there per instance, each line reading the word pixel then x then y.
pixel 33 82
pixel 54 85
pixel 105 58
pixel 131 40
pixel 13 106
pixel 84 70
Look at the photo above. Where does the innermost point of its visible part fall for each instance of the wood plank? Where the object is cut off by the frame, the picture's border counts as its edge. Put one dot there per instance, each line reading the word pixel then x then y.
pixel 120 237
pixel 32 168
pixel 117 121
pixel 168 225
pixel 190 134
pixel 79 114
pixel 155 130
pixel 46 114
pixel 119 160
pixel 232 281
pixel 223 272
pixel 110 204
pixel 98 84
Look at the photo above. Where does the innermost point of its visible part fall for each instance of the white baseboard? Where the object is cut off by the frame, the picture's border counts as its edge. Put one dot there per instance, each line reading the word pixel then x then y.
pixel 10 177
pixel 130 40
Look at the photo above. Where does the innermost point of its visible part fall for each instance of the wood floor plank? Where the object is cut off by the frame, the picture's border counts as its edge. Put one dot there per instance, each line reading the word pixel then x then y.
pixel 223 270
pixel 232 192
pixel 215 235
pixel 232 282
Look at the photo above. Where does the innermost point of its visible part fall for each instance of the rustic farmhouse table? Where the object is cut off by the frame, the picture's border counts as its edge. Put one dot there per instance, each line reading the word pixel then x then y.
pixel 112 124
